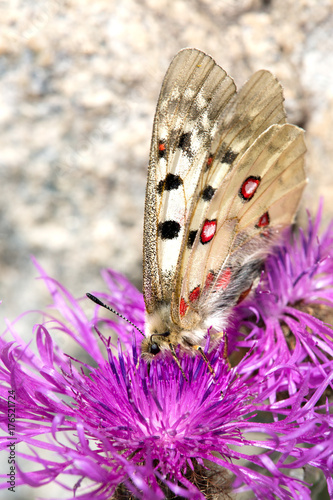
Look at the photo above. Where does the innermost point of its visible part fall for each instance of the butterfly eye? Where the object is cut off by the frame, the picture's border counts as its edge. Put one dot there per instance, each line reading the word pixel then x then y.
pixel 154 349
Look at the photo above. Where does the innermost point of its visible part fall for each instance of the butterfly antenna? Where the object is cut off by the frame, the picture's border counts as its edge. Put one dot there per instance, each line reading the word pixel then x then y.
pixel 100 303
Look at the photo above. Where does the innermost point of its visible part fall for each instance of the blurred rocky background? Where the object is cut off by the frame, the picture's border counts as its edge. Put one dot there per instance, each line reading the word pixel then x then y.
pixel 79 81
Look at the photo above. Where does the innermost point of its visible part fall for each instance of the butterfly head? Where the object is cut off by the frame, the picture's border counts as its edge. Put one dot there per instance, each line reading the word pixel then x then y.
pixel 160 332
pixel 161 336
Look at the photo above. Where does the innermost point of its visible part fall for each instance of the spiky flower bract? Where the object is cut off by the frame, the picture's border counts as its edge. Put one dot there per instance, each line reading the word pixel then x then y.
pixel 115 427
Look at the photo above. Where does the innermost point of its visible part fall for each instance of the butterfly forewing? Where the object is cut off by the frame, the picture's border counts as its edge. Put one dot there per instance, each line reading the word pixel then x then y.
pixel 193 93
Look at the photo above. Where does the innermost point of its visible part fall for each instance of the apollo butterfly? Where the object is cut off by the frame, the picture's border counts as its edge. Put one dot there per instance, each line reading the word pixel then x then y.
pixel 226 173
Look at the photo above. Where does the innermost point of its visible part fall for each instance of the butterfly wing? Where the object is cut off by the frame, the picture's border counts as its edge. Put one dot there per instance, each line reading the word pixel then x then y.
pixel 258 105
pixel 258 196
pixel 194 92
pixel 225 173
pixel 246 116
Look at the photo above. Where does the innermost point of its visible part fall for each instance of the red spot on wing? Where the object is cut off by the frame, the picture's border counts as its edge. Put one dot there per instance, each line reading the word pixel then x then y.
pixel 249 187
pixel 182 307
pixel 224 280
pixel 209 161
pixel 266 234
pixel 209 279
pixel 195 294
pixel 264 220
pixel 161 149
pixel 208 230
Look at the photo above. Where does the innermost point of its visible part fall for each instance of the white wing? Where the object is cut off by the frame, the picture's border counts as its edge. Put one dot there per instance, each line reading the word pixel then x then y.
pixel 194 93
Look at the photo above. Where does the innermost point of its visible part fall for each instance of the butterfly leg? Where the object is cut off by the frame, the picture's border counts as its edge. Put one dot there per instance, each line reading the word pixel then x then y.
pixel 217 338
pixel 225 349
pixel 203 355
pixel 174 355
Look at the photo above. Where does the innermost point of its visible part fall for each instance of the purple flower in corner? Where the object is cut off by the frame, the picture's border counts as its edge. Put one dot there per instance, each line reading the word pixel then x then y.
pixel 108 425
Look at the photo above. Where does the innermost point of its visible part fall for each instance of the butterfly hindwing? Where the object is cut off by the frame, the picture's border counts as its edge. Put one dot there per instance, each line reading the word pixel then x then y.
pixel 258 105
pixel 260 194
pixel 249 113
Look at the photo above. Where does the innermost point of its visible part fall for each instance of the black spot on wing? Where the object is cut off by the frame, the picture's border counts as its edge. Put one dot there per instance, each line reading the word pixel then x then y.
pixel 185 142
pixel 170 182
pixel 229 157
pixel 168 230
pixel 207 193
pixel 191 238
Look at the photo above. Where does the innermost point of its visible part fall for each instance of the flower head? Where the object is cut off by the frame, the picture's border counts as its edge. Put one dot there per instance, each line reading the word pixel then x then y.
pixel 117 426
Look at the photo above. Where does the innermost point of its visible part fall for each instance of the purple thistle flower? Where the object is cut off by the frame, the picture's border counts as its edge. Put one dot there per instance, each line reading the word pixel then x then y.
pixel 115 427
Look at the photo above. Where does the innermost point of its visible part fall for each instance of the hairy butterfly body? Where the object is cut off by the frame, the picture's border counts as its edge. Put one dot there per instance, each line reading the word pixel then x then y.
pixel 226 173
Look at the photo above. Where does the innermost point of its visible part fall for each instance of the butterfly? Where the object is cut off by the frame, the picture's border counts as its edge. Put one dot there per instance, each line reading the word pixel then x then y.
pixel 226 174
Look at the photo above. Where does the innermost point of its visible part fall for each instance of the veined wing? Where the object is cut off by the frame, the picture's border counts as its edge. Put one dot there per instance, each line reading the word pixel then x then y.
pixel 194 93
